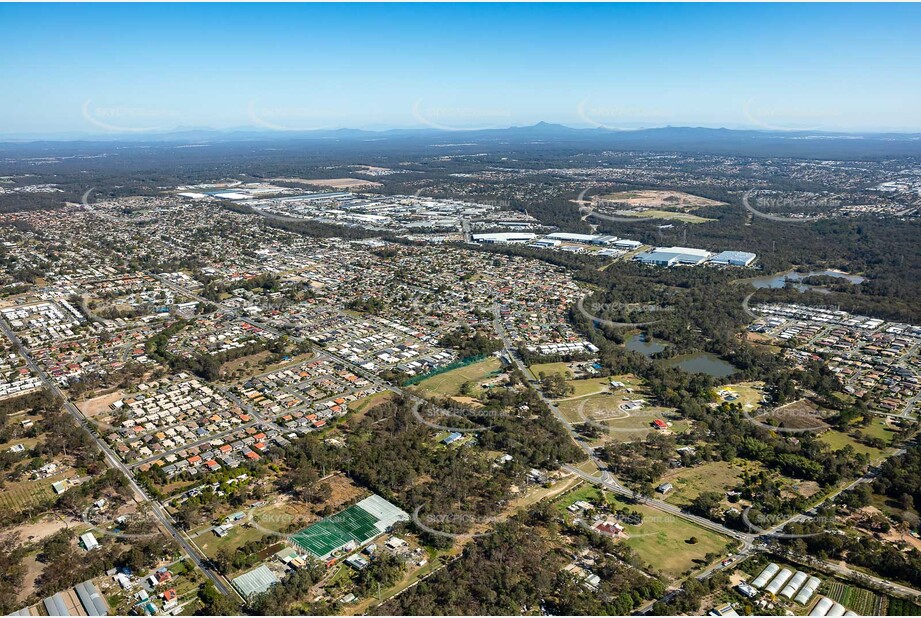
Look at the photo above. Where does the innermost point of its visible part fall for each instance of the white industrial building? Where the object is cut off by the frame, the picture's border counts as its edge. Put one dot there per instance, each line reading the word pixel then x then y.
pixel 504 237
pixel 672 256
pixel 589 239
pixel 733 258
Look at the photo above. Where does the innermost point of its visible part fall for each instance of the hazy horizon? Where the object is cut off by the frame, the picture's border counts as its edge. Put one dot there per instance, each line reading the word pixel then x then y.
pixel 114 69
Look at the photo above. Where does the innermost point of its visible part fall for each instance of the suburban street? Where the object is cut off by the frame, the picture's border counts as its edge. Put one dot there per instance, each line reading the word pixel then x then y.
pixel 113 461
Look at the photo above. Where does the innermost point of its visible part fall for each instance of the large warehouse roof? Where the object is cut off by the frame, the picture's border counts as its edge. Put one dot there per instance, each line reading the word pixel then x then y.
pixel 734 258
pixel 252 583
pixel 674 255
pixel 504 237
pixel 386 513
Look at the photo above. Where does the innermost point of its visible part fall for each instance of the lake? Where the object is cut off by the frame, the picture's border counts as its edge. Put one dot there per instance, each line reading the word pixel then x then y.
pixel 644 345
pixel 702 362
pixel 780 280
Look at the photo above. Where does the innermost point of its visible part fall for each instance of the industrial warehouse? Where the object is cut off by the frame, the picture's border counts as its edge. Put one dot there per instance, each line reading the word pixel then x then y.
pixel 675 256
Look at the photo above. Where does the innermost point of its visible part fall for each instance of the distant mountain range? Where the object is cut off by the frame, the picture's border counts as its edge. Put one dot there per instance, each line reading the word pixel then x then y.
pixel 684 139
pixel 541 130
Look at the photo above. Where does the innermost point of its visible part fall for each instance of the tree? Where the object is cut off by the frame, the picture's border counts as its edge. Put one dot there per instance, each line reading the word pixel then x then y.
pixel 214 603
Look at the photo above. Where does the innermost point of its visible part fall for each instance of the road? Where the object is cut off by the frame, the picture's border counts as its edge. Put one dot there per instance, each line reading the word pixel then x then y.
pixel 853 575
pixel 749 541
pixel 613 486
pixel 354 368
pixel 113 461
pixel 606 480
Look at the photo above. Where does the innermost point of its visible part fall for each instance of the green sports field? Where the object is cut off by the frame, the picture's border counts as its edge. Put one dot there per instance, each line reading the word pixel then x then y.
pixel 326 536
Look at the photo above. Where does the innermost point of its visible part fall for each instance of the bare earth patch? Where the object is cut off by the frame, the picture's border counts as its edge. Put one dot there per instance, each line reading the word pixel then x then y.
pixel 34 570
pixel 42 528
pixel 800 414
pixel 335 183
pixel 97 405
pixel 659 199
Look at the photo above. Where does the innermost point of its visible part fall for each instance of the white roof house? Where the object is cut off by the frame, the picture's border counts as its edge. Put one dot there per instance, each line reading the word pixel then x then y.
pixel 89 541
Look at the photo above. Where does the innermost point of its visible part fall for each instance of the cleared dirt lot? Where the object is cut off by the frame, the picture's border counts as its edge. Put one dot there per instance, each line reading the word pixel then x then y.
pixel 335 183
pixel 658 199
pixel 99 405
pixel 42 528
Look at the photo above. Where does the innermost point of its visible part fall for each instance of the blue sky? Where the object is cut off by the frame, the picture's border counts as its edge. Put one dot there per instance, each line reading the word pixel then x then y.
pixel 113 68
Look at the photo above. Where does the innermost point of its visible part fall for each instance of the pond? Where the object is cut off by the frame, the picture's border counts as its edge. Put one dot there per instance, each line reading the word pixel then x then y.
pixel 702 362
pixel 644 345
pixel 780 280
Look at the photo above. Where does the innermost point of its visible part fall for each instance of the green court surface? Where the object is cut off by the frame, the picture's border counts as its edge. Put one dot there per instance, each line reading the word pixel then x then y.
pixel 326 536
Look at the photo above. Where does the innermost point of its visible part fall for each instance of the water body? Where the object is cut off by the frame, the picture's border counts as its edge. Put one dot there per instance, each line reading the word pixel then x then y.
pixel 644 345
pixel 780 280
pixel 702 362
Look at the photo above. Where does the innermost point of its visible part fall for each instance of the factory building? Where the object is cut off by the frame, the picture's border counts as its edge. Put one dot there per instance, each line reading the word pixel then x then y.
pixel 673 256
pixel 588 239
pixel 504 237
pixel 733 258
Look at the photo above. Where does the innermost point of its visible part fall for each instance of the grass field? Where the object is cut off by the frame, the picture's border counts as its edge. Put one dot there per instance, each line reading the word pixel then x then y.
pixel 449 383
pixel 666 214
pixel 624 426
pixel 718 476
pixel 26 494
pixel 551 368
pixel 589 386
pixel 750 393
pixel 584 386
pixel 838 440
pixel 366 403
pixel 878 428
pixel 663 540
pixel 238 536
